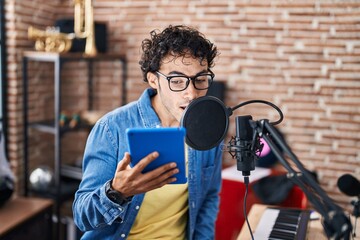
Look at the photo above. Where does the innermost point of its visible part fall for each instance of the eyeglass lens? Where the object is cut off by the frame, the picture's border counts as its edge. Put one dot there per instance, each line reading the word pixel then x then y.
pixel 178 83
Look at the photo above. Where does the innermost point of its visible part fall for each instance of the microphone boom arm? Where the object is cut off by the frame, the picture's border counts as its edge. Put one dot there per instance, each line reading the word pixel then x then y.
pixel 336 224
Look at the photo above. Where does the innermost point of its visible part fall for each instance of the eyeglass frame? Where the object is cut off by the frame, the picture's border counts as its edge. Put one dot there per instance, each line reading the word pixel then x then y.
pixel 192 79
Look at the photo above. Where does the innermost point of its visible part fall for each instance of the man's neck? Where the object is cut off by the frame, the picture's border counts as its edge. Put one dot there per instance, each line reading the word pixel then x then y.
pixel 163 113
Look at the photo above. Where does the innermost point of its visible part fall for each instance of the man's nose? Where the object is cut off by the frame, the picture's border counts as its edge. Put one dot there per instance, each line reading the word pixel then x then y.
pixel 191 92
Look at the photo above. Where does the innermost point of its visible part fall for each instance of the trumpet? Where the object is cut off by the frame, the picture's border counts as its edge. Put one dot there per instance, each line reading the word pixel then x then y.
pixel 84 25
pixel 50 40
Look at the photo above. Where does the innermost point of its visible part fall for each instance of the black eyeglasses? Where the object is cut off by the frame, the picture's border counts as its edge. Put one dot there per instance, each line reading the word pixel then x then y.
pixel 178 83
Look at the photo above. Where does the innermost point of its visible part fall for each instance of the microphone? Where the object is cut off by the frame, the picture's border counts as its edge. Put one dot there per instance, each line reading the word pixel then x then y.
pixel 244 145
pixel 349 185
pixel 206 120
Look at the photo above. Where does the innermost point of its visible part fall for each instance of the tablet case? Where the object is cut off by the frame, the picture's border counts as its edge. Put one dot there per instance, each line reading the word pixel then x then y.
pixel 169 142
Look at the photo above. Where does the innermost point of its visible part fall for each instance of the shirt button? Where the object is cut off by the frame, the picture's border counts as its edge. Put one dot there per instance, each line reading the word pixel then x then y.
pixel 122 235
pixel 137 207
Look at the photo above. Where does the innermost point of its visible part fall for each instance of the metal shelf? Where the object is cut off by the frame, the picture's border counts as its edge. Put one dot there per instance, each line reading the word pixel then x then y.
pixel 67 190
pixel 48 126
pixel 66 178
pixel 44 126
pixel 74 172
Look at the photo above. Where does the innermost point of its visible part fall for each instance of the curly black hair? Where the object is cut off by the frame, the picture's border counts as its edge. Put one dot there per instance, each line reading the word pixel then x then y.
pixel 178 40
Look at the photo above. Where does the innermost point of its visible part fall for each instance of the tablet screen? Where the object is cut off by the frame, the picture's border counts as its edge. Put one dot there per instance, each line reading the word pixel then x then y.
pixel 168 142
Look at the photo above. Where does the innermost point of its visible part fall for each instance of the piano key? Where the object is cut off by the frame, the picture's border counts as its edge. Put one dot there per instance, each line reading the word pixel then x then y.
pixel 285 226
pixel 288 221
pixel 265 224
pixel 281 234
pixel 282 224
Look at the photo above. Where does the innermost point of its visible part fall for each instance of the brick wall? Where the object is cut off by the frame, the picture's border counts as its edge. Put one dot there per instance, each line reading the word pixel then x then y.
pixel 301 55
pixel 19 15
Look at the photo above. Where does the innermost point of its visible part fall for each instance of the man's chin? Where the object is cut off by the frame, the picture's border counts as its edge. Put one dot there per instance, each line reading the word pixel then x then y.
pixel 181 113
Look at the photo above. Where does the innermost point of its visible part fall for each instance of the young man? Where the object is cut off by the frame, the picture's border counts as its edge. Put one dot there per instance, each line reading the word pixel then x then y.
pixel 115 201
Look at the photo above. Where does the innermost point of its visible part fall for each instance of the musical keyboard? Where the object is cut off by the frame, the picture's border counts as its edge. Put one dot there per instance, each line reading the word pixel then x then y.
pixel 282 224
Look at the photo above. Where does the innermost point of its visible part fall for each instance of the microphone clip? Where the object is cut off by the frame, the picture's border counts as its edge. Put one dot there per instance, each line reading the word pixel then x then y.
pixel 356 210
pixel 236 146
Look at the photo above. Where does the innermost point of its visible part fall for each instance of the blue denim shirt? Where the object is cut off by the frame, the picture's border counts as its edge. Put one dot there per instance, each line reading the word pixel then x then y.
pixel 101 218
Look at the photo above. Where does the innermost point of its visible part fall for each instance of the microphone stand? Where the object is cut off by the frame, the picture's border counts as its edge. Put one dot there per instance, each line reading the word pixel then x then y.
pixel 356 212
pixel 336 224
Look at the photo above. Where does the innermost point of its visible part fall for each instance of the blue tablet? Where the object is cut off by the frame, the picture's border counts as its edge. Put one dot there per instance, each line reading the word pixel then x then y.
pixel 168 142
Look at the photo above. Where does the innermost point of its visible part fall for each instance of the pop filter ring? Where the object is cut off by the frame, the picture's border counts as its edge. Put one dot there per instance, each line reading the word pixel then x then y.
pixel 206 120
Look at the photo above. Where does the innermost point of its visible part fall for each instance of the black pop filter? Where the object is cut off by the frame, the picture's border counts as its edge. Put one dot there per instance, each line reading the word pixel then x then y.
pixel 349 185
pixel 206 120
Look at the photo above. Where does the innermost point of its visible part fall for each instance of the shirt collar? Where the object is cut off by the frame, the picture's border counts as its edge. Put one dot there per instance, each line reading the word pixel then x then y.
pixel 147 113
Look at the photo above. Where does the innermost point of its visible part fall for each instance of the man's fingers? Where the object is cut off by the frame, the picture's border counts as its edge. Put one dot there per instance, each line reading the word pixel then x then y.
pixel 133 182
pixel 164 175
pixel 124 163
pixel 145 161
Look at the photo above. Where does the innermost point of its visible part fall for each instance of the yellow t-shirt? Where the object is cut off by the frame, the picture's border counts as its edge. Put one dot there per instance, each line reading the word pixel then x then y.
pixel 163 214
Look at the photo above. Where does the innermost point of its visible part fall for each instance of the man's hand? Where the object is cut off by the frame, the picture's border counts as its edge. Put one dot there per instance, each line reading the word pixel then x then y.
pixel 130 181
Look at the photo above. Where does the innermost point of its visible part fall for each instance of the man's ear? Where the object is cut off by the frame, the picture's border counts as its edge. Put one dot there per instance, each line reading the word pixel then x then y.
pixel 153 80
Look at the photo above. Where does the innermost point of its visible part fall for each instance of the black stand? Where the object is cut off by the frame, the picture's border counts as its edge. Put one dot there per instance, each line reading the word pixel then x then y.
pixel 356 212
pixel 336 224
